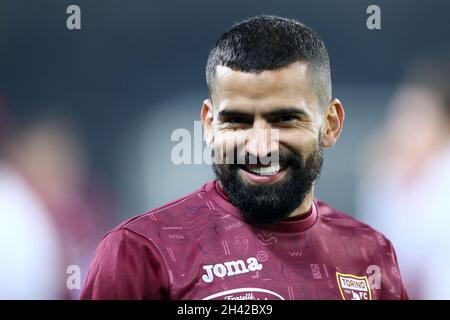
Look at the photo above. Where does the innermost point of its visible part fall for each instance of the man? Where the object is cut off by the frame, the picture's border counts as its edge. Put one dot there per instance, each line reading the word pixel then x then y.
pixel 257 232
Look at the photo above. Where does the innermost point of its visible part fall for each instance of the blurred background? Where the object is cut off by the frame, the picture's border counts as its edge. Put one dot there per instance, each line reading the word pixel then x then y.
pixel 86 118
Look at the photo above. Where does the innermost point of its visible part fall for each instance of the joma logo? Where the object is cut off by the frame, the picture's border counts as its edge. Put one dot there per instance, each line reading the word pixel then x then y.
pixel 230 268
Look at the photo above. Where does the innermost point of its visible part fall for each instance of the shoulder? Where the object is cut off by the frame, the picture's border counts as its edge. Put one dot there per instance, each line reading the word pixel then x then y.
pixel 331 215
pixel 357 236
pixel 170 217
pixel 336 219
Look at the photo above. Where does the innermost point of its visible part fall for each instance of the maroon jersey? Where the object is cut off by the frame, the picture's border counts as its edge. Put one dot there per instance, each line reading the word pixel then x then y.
pixel 199 247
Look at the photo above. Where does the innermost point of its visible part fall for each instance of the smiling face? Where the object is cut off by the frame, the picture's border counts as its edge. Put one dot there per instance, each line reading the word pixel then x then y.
pixel 274 112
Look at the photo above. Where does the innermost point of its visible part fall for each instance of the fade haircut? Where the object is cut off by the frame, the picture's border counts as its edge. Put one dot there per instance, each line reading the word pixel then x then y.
pixel 269 43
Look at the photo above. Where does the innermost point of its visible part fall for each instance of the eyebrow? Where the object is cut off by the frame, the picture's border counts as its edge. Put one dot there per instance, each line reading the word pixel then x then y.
pixel 233 113
pixel 286 111
pixel 271 114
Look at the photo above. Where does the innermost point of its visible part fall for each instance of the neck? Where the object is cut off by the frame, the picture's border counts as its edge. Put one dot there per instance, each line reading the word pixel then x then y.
pixel 305 205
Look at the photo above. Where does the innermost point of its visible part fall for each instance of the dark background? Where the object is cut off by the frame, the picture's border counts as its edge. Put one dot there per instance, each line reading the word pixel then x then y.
pixel 135 71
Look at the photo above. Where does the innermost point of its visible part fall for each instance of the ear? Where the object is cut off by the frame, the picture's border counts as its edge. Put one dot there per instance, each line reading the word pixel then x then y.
pixel 333 121
pixel 206 115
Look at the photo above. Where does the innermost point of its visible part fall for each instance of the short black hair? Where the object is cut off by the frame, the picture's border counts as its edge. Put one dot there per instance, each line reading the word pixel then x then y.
pixel 269 42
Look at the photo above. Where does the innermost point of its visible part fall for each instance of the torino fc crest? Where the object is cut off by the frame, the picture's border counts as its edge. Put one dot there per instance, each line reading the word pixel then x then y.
pixel 353 287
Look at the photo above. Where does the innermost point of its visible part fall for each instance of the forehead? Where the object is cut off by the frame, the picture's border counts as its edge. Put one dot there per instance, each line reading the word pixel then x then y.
pixel 269 88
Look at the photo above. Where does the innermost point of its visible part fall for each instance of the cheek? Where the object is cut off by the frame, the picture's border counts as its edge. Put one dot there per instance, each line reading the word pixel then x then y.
pixel 299 142
pixel 227 141
pixel 228 146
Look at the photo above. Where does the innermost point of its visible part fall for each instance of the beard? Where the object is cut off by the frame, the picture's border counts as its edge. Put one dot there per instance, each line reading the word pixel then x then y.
pixel 274 202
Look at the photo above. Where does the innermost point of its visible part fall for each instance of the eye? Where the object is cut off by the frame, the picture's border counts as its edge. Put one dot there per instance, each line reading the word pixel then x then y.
pixel 237 121
pixel 285 118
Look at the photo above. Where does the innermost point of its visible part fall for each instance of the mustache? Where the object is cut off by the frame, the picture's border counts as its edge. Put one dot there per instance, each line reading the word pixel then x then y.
pixel 265 204
pixel 284 158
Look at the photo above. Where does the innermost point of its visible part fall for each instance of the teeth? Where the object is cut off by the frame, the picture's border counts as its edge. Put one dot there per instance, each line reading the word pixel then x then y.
pixel 266 171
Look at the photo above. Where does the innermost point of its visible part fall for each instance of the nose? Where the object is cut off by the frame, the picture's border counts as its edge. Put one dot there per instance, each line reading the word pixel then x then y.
pixel 262 141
